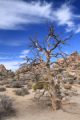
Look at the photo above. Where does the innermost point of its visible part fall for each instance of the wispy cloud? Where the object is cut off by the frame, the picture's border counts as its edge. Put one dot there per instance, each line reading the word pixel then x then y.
pixel 5 58
pixel 11 42
pixel 77 29
pixel 13 65
pixel 64 15
pixel 13 62
pixel 16 13
pixel 24 53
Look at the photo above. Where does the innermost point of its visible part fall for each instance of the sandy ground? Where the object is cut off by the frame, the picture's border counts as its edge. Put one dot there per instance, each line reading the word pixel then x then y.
pixel 27 109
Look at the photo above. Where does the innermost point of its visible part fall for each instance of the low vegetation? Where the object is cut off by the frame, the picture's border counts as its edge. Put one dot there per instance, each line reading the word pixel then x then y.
pixel 40 85
pixel 2 89
pixel 21 91
pixel 16 84
pixel 6 105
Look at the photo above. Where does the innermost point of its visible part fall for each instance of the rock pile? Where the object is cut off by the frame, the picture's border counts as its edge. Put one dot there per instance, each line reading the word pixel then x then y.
pixel 5 74
pixel 69 70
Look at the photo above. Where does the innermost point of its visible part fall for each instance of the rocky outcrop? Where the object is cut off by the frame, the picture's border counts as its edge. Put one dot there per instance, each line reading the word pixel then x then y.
pixel 4 73
pixel 2 69
pixel 27 72
pixel 69 69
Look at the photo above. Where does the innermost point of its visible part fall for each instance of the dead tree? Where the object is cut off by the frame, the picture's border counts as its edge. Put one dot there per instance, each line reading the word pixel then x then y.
pixel 51 48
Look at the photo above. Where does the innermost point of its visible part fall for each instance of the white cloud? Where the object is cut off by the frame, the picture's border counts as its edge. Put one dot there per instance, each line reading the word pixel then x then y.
pixel 13 65
pixel 24 53
pixel 14 43
pixel 10 63
pixel 22 56
pixel 64 15
pixel 32 12
pixel 4 58
pixel 16 13
pixel 77 29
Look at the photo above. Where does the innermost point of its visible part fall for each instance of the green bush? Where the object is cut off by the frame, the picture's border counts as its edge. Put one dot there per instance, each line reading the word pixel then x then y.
pixel 46 86
pixel 37 86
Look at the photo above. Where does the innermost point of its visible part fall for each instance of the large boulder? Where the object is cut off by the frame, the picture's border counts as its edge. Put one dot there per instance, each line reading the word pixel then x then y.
pixel 2 68
pixel 4 73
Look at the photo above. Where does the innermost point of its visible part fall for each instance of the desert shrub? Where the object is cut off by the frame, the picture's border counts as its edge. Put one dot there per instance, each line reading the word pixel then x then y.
pixel 71 80
pixel 2 89
pixel 16 84
pixel 67 86
pixel 21 91
pixel 4 82
pixel 22 82
pixel 78 81
pixel 3 74
pixel 6 105
pixel 39 85
pixel 46 86
pixel 8 86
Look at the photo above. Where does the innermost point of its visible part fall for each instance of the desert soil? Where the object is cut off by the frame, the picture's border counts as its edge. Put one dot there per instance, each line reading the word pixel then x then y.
pixel 28 109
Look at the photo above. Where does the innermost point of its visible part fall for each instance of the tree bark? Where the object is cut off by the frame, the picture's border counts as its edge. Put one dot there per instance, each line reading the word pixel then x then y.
pixel 54 89
pixel 55 96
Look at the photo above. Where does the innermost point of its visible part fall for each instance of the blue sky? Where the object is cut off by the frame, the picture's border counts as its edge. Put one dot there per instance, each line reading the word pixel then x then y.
pixel 20 19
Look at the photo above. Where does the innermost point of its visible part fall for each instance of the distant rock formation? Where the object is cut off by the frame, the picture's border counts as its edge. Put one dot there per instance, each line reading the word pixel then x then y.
pixel 68 71
pixel 74 57
pixel 2 68
pixel 30 73
pixel 4 73
pixel 70 68
pixel 72 61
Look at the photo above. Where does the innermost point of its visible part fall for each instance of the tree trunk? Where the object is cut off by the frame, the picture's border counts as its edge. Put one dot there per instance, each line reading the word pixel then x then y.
pixel 54 89
pixel 56 103
pixel 48 62
pixel 55 96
